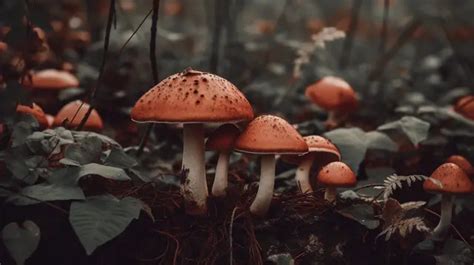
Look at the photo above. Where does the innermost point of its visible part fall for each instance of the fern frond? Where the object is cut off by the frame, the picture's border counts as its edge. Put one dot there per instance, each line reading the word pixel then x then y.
pixel 394 182
pixel 405 227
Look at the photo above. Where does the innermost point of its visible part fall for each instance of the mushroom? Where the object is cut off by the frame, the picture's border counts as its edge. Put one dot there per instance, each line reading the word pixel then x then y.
pixel 465 106
pixel 222 140
pixel 74 112
pixel 334 175
pixel 45 86
pixel 321 150
pixel 462 162
pixel 50 119
pixel 36 111
pixel 453 181
pixel 268 135
pixel 334 95
pixel 193 98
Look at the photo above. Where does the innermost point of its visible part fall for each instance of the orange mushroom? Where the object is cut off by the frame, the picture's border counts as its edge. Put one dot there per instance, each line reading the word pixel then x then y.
pixel 222 140
pixel 321 150
pixel 454 181
pixel 465 107
pixel 51 79
pixel 36 111
pixel 193 98
pixel 74 112
pixel 268 135
pixel 334 175
pixel 462 162
pixel 335 96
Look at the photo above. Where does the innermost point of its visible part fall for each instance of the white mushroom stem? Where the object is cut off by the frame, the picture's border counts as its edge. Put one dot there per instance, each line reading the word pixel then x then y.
pixel 442 228
pixel 330 194
pixel 302 175
pixel 220 180
pixel 195 187
pixel 262 201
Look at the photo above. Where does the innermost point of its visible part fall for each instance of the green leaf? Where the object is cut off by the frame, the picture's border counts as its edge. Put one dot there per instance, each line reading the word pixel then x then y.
pixel 361 213
pixel 416 130
pixel 103 171
pixel 380 141
pixel 116 157
pixel 87 150
pixel 455 252
pixel 21 131
pixel 46 192
pixel 351 143
pixel 282 259
pixel 101 218
pixel 21 242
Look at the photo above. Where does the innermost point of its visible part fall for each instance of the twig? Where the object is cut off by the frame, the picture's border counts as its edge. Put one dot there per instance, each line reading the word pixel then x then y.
pixel 231 227
pixel 35 199
pixel 175 257
pixel 347 46
pixel 383 32
pixel 134 32
pixel 380 64
pixel 154 70
pixel 94 89
pixel 216 35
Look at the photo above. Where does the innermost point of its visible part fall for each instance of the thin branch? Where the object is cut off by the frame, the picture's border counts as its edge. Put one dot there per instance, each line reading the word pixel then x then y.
pixel 348 42
pixel 135 32
pixel 452 226
pixel 108 29
pixel 231 228
pixel 216 35
pixel 383 32
pixel 154 69
pixel 381 63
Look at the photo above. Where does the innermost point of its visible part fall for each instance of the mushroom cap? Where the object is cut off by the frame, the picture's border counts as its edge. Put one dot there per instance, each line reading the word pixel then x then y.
pixel 465 107
pixel 332 93
pixel 192 97
pixel 50 119
pixel 268 134
pixel 337 174
pixel 319 147
pixel 36 111
pixel 94 122
pixel 462 162
pixel 51 79
pixel 453 178
pixel 223 138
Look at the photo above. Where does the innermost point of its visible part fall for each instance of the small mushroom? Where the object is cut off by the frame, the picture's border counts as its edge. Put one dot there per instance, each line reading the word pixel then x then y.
pixel 74 112
pixel 462 162
pixel 193 98
pixel 321 151
pixel 36 111
pixel 454 181
pixel 268 135
pixel 222 141
pixel 335 96
pixel 334 175
pixel 51 79
pixel 465 106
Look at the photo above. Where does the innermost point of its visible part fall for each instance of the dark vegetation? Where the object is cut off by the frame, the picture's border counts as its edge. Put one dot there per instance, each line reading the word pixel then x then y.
pixel 88 190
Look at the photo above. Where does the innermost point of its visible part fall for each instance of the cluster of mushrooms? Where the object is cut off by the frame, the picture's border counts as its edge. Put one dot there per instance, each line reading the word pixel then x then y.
pixel 194 98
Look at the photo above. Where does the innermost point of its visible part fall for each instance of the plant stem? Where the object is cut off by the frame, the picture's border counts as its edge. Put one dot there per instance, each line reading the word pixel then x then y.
pixel 220 180
pixel 262 201
pixel 195 186
pixel 442 228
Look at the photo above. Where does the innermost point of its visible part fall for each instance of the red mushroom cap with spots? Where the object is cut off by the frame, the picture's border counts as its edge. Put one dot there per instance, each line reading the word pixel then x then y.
pixel 465 107
pixel 268 134
pixel 462 162
pixel 51 79
pixel 332 93
pixel 192 97
pixel 223 138
pixel 36 111
pixel 453 179
pixel 94 122
pixel 337 174
pixel 319 147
